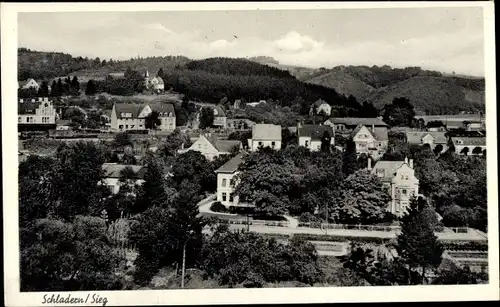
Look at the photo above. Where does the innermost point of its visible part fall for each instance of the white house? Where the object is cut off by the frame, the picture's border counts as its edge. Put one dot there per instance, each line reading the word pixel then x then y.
pixel 265 135
pixel 310 136
pixel 112 175
pixel 399 179
pixel 154 83
pixel 30 83
pixel 370 141
pixel 322 107
pixel 469 145
pixel 36 111
pixel 432 138
pixel 226 182
pixel 220 118
pixel 211 147
pixel 129 116
pixel 348 124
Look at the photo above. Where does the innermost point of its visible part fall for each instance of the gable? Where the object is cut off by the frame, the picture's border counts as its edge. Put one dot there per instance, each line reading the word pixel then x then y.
pixel 363 135
pixel 203 144
pixel 145 112
pixel 427 138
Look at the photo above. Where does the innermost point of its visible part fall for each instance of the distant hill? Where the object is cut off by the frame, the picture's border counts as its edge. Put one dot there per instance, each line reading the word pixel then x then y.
pixel 429 91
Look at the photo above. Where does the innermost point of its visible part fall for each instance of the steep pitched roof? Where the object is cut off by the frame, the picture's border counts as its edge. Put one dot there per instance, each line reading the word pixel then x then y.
pixel 389 167
pixel 163 107
pixel 27 107
pixel 377 134
pixel 232 165
pixel 265 132
pixel 354 121
pixel 132 108
pixel 113 170
pixel 315 132
pixel 469 141
pixel 415 137
pixel 222 145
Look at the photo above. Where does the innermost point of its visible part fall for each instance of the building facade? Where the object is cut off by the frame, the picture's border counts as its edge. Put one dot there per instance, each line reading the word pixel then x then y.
pixel 322 107
pixel 112 175
pixel 227 181
pixel 265 135
pixel 469 145
pixel 128 116
pixel 398 177
pixel 155 84
pixel 220 118
pixel 310 136
pixel 432 138
pixel 30 83
pixel 33 112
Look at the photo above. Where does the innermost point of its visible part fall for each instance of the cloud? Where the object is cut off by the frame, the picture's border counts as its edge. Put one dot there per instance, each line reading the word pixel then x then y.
pixel 294 42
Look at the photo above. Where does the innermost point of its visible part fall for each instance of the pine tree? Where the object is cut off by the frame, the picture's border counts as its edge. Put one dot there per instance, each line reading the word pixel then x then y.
pixel 75 86
pixel 417 244
pixel 349 160
pixel 90 88
pixel 43 91
pixel 326 142
pixel 53 89
pixel 152 192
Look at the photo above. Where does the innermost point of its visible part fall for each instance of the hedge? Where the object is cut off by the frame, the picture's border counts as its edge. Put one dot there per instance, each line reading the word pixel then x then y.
pixel 311 237
pixel 467 246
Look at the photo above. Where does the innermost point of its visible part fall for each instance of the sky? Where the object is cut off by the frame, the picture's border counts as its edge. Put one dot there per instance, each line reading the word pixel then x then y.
pixel 443 39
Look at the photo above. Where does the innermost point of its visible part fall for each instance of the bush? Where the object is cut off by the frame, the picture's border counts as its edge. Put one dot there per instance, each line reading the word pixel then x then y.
pixel 310 237
pixel 218 207
pixel 308 217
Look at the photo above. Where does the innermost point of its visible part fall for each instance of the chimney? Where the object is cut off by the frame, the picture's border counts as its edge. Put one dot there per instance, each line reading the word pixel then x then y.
pixel 369 163
pixel 182 146
pixel 373 128
pixel 299 125
pixel 411 163
pixel 21 100
pixel 406 160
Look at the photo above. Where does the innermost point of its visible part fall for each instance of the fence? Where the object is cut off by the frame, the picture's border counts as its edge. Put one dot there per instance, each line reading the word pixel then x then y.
pixel 351 227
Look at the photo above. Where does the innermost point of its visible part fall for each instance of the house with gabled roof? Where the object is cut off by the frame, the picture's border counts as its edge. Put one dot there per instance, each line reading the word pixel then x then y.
pixel 113 171
pixel 265 135
pixel 310 136
pixel 398 177
pixel 131 116
pixel 226 183
pixel 154 83
pixel 370 141
pixel 36 114
pixel 220 117
pixel 347 124
pixel 321 107
pixel 211 146
pixel 469 145
pixel 431 138
pixel 27 84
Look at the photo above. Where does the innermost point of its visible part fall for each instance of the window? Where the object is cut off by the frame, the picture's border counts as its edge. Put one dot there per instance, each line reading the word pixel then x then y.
pixel 224 182
pixel 380 173
pixel 126 126
pixel 120 126
pixel 19 119
pixel 273 144
pixel 404 191
pixel 231 182
pixel 402 177
pixel 224 196
pixel 307 143
pixel 231 198
pixel 260 143
pixel 406 177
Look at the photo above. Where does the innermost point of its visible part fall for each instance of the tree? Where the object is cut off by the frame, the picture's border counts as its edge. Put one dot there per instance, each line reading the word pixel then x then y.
pixel 477 150
pixel 206 118
pixel 43 91
pixel 91 88
pixel 363 199
pixel 326 142
pixel 194 167
pixel 53 89
pixel 64 256
pixel 266 180
pixel 438 149
pixel 122 140
pixel 173 142
pixel 75 86
pixel 456 276
pixel 368 110
pixel 129 158
pixel 152 120
pixel 349 158
pixel 399 113
pixel 152 192
pixel 417 244
pixel 160 73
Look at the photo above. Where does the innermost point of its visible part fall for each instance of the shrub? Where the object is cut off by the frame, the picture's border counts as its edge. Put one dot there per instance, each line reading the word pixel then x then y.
pixel 218 207
pixel 310 237
pixel 308 217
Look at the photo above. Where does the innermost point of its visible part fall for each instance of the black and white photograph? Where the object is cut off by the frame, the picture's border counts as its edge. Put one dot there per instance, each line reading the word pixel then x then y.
pixel 249 148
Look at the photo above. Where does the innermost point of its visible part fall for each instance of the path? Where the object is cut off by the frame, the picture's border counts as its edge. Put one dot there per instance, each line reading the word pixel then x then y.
pixel 293 222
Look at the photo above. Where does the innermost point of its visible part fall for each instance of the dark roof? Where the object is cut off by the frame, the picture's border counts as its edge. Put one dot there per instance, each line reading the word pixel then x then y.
pixel 113 170
pixel 63 122
pixel 315 132
pixel 354 121
pixel 134 109
pixel 389 167
pixel 231 166
pixel 162 107
pixel 27 107
pixel 222 145
pixel 415 137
